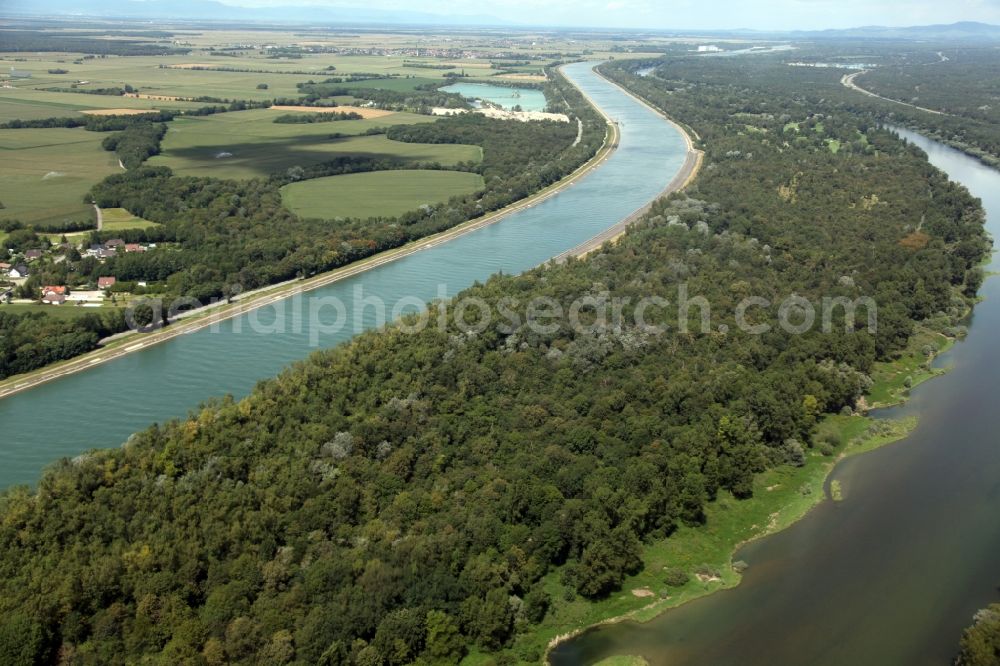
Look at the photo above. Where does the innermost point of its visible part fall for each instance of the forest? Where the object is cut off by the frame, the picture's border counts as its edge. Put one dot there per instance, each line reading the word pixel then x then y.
pixel 956 80
pixel 417 497
pixel 38 40
pixel 31 341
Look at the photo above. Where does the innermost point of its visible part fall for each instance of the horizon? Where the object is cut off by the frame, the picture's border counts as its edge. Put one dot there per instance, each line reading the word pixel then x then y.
pixel 681 15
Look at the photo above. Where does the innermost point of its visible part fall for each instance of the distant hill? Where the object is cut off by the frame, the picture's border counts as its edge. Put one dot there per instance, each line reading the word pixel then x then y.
pixel 965 30
pixel 209 10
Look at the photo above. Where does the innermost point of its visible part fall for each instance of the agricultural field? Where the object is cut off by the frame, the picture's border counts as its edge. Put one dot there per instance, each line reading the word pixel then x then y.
pixel 199 75
pixel 47 172
pixel 376 194
pixel 249 144
pixel 119 219
pixel 30 104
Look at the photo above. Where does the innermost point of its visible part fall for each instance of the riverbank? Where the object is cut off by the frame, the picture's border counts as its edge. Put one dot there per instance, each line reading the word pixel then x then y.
pixel 693 161
pixel 781 497
pixel 203 318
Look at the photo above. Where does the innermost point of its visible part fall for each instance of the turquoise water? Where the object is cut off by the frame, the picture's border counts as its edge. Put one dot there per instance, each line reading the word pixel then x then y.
pixel 893 573
pixel 103 406
pixel 528 99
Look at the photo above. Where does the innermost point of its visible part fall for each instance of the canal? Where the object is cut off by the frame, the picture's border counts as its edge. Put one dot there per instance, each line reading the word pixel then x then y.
pixel 102 406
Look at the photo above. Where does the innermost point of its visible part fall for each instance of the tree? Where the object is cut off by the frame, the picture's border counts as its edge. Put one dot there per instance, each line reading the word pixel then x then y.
pixel 444 642
pixel 490 620
pixel 980 644
pixel 22 640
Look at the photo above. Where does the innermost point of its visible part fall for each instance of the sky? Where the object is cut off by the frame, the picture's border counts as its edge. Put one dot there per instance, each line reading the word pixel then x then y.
pixel 691 14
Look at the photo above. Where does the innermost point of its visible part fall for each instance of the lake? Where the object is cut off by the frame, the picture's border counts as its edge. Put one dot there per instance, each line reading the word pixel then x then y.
pixel 892 574
pixel 527 98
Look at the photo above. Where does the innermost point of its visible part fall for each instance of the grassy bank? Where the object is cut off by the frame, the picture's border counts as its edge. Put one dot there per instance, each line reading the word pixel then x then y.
pixel 781 497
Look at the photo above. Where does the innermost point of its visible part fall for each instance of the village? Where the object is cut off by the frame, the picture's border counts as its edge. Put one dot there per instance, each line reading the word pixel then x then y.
pixel 18 288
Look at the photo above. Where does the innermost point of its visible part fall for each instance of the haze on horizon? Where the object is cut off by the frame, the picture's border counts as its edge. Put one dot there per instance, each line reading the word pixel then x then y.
pixel 688 14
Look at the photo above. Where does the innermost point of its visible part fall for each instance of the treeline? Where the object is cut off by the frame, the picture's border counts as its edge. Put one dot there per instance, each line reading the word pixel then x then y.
pixel 37 40
pixel 420 101
pixel 114 91
pixel 136 143
pixel 94 123
pixel 406 497
pixel 333 116
pixel 112 123
pixel 34 340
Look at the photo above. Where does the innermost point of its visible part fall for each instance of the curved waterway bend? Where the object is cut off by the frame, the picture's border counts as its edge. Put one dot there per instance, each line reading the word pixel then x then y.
pixel 891 574
pixel 101 407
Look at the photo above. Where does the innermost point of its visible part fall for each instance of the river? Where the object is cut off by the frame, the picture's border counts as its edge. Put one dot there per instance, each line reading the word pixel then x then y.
pixel 102 406
pixel 892 574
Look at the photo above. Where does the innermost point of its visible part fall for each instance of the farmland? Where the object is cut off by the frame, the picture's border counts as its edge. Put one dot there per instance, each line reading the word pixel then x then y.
pixel 380 193
pixel 47 172
pixel 278 161
pixel 119 219
pixel 249 144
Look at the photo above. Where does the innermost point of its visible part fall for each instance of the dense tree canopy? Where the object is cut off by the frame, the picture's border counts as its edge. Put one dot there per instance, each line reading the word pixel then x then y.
pixel 400 498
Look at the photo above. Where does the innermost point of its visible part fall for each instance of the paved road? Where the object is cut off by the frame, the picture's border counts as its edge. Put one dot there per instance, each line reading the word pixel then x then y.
pixel 848 80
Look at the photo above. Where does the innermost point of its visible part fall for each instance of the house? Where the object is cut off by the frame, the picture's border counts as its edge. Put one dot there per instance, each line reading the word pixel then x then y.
pixel 115 243
pixel 4 267
pixel 31 255
pixel 106 282
pixel 95 250
pixel 53 299
pixel 18 272
pixel 54 289
pixel 134 247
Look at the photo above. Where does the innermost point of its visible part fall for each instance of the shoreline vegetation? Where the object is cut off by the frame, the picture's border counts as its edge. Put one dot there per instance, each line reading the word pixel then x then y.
pixel 781 496
pixel 204 317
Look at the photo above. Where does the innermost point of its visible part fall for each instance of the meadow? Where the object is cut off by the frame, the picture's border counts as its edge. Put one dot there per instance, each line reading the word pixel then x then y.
pixel 376 194
pixel 249 144
pixel 47 172
pixel 119 219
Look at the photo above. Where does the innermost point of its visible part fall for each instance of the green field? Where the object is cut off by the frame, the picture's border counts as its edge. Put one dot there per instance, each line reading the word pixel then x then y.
pixel 248 144
pixel 376 194
pixel 172 76
pixel 47 172
pixel 119 219
pixel 29 104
